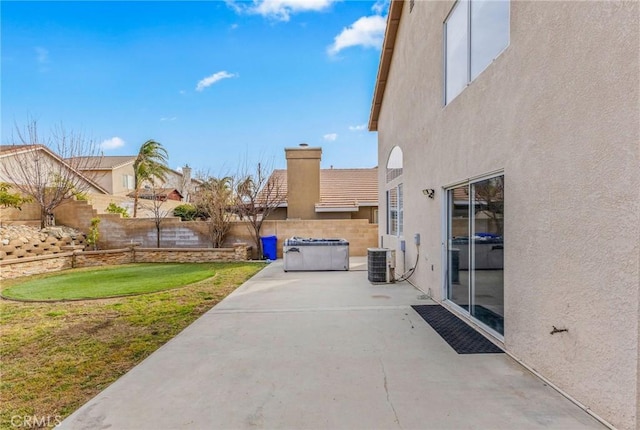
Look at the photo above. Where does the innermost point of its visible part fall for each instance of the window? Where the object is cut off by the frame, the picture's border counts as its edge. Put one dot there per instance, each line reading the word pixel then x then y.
pixel 127 182
pixel 475 33
pixel 395 196
pixel 400 211
pixel 392 215
pixel 394 164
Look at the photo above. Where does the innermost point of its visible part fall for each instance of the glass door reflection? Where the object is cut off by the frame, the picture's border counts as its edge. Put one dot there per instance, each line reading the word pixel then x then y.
pixel 458 246
pixel 475 250
pixel 487 272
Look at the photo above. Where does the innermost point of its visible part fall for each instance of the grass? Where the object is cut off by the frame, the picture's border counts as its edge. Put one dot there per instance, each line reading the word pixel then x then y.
pixel 56 356
pixel 108 282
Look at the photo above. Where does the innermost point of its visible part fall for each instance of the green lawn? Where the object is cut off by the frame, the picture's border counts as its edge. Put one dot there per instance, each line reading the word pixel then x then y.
pixel 112 281
pixel 56 356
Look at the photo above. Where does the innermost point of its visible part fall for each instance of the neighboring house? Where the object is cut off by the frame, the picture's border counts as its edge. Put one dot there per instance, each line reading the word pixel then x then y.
pixel 182 182
pixel 42 158
pixel 115 173
pixel 315 193
pixel 511 152
pixel 36 167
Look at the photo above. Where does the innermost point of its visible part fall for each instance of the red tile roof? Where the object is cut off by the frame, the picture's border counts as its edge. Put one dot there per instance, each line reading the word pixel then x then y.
pixel 342 188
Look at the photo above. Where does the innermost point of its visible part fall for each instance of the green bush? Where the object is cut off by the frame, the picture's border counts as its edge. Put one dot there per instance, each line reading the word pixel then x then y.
pixel 115 209
pixel 186 212
pixel 94 233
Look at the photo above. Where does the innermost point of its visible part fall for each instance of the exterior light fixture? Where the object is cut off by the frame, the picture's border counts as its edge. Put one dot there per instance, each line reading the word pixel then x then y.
pixel 429 192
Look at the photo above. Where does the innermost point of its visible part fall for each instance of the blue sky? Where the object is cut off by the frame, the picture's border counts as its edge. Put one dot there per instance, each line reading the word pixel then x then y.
pixel 216 82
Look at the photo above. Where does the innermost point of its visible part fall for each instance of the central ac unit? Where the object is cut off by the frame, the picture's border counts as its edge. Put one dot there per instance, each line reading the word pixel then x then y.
pixel 381 263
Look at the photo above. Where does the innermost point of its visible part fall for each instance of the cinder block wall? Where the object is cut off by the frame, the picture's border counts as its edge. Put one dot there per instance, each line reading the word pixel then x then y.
pixel 358 232
pixel 118 232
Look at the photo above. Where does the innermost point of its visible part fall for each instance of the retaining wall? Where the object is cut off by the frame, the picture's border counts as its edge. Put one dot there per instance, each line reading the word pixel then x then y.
pixel 16 268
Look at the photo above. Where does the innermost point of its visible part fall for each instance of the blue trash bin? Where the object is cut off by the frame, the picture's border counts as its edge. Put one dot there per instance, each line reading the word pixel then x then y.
pixel 269 247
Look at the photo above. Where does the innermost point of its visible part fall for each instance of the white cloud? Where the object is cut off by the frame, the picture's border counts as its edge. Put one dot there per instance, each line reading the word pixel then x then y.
pixel 380 6
pixel 330 137
pixel 173 118
pixel 279 9
pixel 113 143
pixel 210 80
pixel 360 127
pixel 42 55
pixel 367 32
pixel 234 26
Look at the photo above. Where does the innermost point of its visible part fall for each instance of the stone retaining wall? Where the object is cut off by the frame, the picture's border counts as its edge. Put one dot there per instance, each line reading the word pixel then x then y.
pixel 195 255
pixel 28 266
pixel 16 268
pixel 37 244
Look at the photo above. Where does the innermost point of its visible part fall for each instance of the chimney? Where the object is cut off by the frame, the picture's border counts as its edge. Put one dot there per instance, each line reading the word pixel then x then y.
pixel 186 183
pixel 303 181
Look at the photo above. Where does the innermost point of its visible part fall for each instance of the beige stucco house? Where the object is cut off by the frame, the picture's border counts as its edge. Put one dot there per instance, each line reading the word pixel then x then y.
pixel 314 193
pixel 21 163
pixel 509 141
pixel 115 174
pixel 29 168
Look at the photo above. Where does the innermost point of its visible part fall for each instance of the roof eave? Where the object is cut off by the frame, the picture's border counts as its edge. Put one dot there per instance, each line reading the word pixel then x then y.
pixel 393 22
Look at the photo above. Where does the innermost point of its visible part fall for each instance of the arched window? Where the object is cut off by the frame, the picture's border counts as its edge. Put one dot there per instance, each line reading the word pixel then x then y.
pixel 395 198
pixel 394 164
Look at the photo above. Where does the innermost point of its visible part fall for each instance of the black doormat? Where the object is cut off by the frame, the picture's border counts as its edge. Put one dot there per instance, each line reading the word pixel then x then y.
pixel 458 334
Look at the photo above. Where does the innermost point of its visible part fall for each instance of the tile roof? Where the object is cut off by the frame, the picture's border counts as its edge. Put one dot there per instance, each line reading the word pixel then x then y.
pixel 11 148
pixel 157 192
pixel 340 188
pixel 110 162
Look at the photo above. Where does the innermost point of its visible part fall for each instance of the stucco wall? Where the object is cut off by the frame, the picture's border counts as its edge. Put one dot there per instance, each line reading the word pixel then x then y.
pixel 558 113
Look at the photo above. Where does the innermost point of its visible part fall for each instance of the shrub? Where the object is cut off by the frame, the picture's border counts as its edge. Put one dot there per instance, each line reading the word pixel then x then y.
pixel 94 233
pixel 186 212
pixel 115 209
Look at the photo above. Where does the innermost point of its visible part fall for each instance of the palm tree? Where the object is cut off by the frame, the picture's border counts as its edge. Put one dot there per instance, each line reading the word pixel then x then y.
pixel 150 165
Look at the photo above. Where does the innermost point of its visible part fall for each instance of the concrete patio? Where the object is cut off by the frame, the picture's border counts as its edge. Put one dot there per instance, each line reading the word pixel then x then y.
pixel 324 350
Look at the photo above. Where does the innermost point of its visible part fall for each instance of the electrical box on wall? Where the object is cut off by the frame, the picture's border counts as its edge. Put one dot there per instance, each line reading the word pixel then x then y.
pixel 416 238
pixel 403 245
pixel 391 259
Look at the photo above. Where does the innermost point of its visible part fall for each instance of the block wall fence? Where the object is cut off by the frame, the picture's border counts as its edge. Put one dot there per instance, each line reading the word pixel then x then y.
pixel 117 232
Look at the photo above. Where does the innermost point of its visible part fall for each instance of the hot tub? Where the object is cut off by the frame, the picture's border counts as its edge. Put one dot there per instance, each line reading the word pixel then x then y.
pixel 309 254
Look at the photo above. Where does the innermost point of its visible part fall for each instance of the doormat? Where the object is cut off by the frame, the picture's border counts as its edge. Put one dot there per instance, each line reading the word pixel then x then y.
pixel 458 334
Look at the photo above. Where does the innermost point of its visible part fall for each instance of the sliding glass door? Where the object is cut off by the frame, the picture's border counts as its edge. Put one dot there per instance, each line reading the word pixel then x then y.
pixel 475 250
pixel 458 246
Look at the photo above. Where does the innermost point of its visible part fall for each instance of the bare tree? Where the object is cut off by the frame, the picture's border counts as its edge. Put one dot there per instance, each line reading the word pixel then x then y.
pixel 489 195
pixel 257 196
pixel 48 169
pixel 157 209
pixel 215 199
